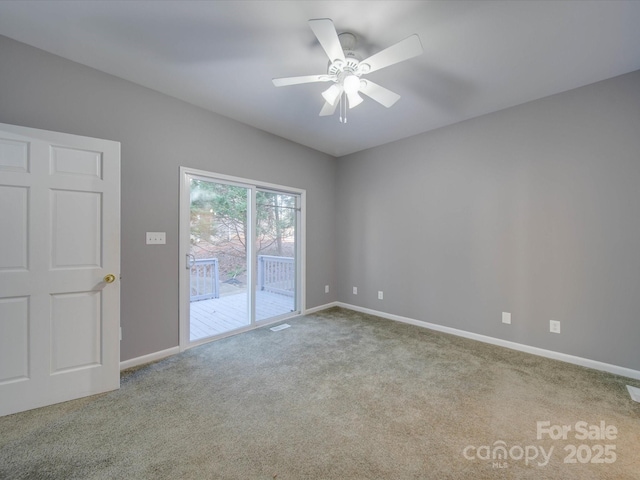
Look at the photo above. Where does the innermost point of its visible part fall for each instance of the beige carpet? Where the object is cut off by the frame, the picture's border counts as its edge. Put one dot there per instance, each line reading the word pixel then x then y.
pixel 339 395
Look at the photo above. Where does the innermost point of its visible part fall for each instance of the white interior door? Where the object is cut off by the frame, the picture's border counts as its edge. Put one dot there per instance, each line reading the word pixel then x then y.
pixel 59 244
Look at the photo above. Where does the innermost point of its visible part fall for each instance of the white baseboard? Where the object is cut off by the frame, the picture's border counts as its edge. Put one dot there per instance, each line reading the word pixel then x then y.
pixel 309 311
pixel 563 357
pixel 152 357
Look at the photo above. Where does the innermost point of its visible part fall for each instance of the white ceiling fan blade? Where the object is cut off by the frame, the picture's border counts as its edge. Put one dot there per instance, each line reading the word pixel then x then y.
pixel 283 82
pixel 328 109
pixel 403 50
pixel 379 94
pixel 326 34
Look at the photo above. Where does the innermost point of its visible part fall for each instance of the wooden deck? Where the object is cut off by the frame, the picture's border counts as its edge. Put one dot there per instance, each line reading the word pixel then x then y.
pixel 229 312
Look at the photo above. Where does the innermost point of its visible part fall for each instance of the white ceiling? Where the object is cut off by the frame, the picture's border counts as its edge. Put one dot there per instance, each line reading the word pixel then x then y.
pixel 479 56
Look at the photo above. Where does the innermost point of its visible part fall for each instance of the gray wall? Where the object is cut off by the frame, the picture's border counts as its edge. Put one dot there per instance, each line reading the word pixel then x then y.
pixel 158 134
pixel 532 210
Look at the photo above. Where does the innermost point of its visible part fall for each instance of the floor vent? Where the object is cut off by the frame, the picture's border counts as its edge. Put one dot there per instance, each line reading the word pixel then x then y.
pixel 280 327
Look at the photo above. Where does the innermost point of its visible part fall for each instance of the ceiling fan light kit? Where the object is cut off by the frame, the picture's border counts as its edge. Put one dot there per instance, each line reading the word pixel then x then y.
pixel 346 69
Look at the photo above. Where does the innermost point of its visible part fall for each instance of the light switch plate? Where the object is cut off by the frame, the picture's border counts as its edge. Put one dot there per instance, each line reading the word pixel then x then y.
pixel 156 238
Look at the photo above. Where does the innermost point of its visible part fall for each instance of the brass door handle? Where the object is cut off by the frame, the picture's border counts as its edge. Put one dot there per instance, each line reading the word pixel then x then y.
pixel 110 278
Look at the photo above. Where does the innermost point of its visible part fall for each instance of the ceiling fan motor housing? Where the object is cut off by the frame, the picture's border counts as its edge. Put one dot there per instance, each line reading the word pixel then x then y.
pixel 351 65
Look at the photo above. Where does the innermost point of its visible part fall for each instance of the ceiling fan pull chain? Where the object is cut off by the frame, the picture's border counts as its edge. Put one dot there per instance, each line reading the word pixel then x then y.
pixel 345 107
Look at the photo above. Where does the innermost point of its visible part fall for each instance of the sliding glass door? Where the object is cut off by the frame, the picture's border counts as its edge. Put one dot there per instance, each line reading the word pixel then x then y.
pixel 219 228
pixel 240 244
pixel 275 280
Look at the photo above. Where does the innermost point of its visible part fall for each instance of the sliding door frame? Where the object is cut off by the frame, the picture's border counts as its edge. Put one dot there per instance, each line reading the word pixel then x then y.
pixel 184 248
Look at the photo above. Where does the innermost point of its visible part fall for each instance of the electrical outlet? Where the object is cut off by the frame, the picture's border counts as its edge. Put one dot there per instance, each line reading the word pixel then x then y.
pixel 156 238
pixel 326 289
pixel 554 326
pixel 355 290
pixel 380 295
pixel 506 318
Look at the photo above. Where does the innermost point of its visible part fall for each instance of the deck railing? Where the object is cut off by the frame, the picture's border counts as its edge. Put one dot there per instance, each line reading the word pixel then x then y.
pixel 205 280
pixel 277 274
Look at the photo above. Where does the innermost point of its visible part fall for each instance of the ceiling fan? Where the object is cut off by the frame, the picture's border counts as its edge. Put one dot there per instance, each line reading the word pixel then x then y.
pixel 346 69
